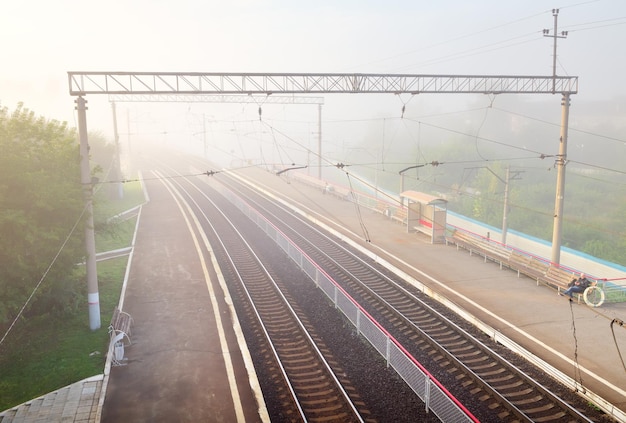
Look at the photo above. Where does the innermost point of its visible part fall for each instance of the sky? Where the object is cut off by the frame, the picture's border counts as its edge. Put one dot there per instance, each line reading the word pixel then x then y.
pixel 42 40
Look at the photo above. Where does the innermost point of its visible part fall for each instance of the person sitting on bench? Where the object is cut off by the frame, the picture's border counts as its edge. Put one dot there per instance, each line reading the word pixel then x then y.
pixel 577 286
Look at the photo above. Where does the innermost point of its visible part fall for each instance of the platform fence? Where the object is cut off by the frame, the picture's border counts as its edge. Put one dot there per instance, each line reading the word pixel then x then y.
pixel 435 396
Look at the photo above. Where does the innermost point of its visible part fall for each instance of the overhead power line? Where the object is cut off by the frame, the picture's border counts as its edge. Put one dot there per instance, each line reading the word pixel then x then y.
pixel 555 35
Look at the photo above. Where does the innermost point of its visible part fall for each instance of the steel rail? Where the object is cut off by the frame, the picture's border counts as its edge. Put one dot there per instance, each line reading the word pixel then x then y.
pixel 323 251
pixel 230 254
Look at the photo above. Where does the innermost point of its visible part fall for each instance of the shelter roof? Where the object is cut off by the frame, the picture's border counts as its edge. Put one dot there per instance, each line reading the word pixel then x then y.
pixel 423 198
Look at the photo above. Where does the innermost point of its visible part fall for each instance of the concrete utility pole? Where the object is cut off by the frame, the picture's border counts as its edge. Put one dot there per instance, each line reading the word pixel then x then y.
pixel 546 33
pixel 118 163
pixel 505 214
pixel 505 181
pixel 93 297
pixel 561 160
pixel 319 141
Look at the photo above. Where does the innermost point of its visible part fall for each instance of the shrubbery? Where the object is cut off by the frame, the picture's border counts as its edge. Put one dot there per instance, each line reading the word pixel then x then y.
pixel 41 212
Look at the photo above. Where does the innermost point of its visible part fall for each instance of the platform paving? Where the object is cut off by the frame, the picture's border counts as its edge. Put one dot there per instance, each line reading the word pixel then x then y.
pixel 187 362
pixel 76 403
pixel 574 339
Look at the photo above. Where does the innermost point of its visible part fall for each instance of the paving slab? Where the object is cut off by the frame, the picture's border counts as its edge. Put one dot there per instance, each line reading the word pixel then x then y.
pixel 575 339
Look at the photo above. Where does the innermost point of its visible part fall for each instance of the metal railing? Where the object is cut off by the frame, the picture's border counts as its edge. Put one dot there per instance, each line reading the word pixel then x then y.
pixel 434 395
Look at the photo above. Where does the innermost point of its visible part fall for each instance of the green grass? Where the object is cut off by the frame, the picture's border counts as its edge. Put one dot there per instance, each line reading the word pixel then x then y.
pixel 119 236
pixel 119 233
pixel 46 353
pixel 43 354
pixel 615 295
pixel 133 196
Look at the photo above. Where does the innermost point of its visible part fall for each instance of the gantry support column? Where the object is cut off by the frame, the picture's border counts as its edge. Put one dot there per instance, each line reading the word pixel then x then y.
pixel 561 161
pixel 93 297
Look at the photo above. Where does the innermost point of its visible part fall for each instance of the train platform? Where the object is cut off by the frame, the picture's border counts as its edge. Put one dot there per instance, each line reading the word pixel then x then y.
pixel 187 361
pixel 576 342
pixel 186 351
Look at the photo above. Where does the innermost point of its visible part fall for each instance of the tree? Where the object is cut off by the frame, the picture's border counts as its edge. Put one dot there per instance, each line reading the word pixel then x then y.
pixel 40 204
pixel 103 161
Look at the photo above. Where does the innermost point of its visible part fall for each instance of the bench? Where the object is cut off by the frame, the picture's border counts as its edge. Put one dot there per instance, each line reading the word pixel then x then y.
pixel 119 331
pixel 382 208
pixel 423 229
pixel 424 226
pixel 528 265
pixel 560 279
pixel 461 240
pixel 495 252
pixel 553 276
pixel 400 215
pixel 488 250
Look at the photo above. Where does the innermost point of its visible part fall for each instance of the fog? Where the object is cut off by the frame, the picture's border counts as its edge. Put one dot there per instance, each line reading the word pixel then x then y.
pixel 376 141
pixel 369 133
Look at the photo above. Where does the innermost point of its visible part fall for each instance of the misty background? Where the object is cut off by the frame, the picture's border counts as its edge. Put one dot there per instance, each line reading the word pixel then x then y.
pixel 472 138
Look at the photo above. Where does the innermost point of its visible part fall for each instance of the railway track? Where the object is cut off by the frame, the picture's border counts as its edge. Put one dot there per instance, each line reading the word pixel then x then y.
pixel 481 376
pixel 294 359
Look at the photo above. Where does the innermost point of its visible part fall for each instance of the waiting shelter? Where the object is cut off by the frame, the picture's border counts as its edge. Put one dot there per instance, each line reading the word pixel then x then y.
pixel 426 213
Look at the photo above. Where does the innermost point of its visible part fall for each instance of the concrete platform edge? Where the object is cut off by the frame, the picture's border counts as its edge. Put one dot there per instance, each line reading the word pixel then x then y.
pixel 107 365
pixel 606 406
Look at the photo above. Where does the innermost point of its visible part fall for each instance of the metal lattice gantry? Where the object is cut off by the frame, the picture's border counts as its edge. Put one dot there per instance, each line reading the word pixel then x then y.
pixel 164 83
pixel 83 83
pixel 215 98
